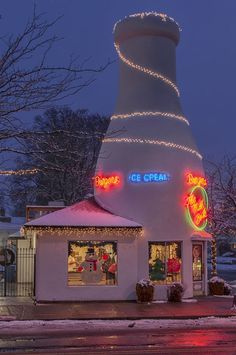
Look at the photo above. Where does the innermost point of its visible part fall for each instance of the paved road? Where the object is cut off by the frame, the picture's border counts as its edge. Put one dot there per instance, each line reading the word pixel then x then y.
pixel 161 341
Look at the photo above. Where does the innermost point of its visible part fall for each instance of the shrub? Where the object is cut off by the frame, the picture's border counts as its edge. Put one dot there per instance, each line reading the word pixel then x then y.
pixel 218 286
pixel 175 292
pixel 144 291
pixel 227 289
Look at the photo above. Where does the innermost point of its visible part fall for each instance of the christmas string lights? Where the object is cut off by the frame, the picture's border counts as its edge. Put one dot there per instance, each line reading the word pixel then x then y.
pixel 150 113
pixel 84 231
pixel 151 13
pixel 19 172
pixel 213 256
pixel 142 15
pixel 147 114
pixel 155 142
pixel 146 70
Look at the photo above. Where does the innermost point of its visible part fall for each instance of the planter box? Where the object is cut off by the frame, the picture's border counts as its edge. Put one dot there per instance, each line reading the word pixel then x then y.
pixel 216 288
pixel 144 293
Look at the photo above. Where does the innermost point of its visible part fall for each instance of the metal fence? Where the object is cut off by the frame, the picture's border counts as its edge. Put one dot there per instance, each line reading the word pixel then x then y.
pixel 17 272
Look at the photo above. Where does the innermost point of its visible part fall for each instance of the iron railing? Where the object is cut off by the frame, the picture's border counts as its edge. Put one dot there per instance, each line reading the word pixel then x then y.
pixel 17 272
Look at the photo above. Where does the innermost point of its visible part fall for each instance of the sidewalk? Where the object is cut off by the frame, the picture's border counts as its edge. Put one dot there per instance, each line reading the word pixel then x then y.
pixel 24 309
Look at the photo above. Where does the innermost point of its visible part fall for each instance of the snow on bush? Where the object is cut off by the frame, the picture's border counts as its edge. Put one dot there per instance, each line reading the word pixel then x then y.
pixel 145 283
pixel 219 280
pixel 216 279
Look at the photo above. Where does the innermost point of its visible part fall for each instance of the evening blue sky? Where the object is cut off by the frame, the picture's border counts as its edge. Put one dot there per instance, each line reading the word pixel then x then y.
pixel 206 56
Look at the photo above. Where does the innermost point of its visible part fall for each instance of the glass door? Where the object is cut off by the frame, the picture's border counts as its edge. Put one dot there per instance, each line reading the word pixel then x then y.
pixel 198 268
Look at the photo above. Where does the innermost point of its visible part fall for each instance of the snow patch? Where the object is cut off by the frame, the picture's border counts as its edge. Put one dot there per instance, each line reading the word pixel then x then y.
pixel 93 325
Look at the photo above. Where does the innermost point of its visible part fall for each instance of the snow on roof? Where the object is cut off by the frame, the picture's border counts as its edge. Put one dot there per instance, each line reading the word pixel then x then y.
pixel 200 235
pixel 86 213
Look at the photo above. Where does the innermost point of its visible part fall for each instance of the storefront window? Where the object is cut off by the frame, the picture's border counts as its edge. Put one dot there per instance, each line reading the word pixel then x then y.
pixel 92 263
pixel 165 262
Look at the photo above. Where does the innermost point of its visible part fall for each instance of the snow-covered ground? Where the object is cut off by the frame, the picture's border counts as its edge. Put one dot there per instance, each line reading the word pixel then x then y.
pixel 103 325
pixel 226 260
pixel 231 267
pixel 225 270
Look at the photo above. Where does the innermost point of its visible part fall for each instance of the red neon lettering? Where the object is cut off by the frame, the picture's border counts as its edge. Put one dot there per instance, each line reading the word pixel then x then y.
pixel 196 180
pixel 197 208
pixel 105 182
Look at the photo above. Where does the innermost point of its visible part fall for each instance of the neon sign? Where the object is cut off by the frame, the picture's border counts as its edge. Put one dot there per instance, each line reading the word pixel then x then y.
pixel 196 180
pixel 152 177
pixel 196 202
pixel 106 182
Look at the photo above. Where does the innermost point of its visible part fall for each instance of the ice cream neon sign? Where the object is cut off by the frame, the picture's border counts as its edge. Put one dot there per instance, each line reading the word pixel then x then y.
pixel 196 202
pixel 148 177
pixel 106 182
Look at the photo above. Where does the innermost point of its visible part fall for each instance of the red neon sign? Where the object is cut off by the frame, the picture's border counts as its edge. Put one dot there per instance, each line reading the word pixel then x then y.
pixel 105 182
pixel 196 202
pixel 196 180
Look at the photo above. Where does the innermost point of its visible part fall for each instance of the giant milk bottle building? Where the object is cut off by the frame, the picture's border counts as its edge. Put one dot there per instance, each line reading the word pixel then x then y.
pixel 150 149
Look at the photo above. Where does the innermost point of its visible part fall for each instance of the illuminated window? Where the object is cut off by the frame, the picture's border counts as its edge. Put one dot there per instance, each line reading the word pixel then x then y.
pixel 197 262
pixel 92 263
pixel 165 262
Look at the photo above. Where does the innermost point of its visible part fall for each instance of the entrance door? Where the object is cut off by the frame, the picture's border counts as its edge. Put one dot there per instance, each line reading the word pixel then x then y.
pixel 198 268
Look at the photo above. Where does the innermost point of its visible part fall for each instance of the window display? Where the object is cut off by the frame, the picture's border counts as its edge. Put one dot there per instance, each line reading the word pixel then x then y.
pixel 92 263
pixel 165 262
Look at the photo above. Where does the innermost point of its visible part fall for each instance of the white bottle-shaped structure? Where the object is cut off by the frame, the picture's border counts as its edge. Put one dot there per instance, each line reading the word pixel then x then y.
pixel 149 145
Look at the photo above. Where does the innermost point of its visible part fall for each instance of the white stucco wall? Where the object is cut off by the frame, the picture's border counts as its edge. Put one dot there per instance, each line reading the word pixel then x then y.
pixel 52 270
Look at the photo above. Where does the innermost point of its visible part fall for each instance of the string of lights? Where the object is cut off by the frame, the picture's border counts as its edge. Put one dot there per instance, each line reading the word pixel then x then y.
pixel 150 113
pixel 146 114
pixel 19 172
pixel 151 141
pixel 142 15
pixel 84 231
pixel 146 70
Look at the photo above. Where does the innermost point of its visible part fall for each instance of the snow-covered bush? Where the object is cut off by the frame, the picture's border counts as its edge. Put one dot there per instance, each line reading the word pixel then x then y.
pixel 175 292
pixel 227 289
pixel 218 286
pixel 145 282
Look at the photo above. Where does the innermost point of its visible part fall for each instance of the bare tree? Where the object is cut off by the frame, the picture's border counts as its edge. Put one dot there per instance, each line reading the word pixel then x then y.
pixel 28 81
pixel 63 149
pixel 222 200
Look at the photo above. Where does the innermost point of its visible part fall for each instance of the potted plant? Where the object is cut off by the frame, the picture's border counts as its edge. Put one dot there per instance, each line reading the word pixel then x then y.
pixel 218 286
pixel 144 291
pixel 227 289
pixel 175 292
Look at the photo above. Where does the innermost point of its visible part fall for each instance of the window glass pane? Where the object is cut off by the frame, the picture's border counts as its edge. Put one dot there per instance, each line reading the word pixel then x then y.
pixel 197 262
pixel 165 262
pixel 92 263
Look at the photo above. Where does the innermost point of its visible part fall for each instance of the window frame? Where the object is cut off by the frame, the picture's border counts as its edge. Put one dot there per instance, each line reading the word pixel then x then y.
pixel 94 242
pixel 165 243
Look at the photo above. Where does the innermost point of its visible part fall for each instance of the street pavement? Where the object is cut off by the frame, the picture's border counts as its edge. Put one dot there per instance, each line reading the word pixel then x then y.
pixel 149 341
pixel 38 338
pixel 25 309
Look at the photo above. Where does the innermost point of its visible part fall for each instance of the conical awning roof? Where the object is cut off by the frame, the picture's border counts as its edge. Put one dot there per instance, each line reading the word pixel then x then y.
pixel 86 213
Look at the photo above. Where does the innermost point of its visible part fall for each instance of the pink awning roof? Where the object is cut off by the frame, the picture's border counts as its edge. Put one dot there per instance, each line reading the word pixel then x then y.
pixel 200 235
pixel 86 213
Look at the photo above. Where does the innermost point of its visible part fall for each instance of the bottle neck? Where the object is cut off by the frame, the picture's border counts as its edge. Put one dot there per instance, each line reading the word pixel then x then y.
pixel 147 75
